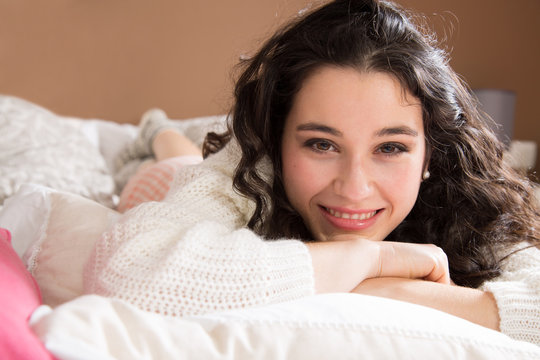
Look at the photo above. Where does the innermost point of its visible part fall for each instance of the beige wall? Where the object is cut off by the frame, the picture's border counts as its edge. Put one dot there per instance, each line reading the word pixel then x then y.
pixel 114 59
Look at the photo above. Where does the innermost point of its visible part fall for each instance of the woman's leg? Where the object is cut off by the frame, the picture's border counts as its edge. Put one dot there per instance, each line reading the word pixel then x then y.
pixel 171 151
pixel 171 143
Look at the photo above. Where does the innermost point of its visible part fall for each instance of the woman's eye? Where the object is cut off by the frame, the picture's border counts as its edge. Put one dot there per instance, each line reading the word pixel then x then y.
pixel 323 146
pixel 392 149
pixel 320 145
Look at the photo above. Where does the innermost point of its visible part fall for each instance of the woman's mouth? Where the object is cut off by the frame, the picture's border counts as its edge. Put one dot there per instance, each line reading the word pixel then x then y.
pixel 352 216
pixel 350 220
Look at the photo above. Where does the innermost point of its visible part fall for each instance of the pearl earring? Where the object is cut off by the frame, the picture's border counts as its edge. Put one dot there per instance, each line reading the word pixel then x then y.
pixel 426 175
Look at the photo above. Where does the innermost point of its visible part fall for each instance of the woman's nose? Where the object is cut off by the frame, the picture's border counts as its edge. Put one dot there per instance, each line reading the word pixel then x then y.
pixel 353 181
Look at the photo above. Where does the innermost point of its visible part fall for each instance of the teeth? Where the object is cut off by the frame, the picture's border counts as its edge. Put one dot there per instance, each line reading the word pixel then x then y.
pixel 355 216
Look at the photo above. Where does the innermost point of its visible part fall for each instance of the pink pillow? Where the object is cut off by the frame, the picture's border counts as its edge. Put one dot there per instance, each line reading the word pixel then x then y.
pixel 19 297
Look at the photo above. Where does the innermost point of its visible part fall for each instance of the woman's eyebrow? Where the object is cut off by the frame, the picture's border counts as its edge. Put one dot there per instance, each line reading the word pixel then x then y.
pixel 399 130
pixel 318 127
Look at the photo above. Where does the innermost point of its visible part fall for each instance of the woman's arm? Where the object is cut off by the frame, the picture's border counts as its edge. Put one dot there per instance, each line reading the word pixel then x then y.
pixel 509 303
pixel 471 304
pixel 340 265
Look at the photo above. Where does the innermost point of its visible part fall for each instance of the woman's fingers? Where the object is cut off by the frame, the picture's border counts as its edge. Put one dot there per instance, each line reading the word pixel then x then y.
pixel 414 261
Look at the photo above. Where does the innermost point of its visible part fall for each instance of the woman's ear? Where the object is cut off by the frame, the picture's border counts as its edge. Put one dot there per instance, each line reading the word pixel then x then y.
pixel 425 173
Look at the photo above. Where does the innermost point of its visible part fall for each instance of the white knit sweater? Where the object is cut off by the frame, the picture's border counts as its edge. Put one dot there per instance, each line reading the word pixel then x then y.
pixel 517 292
pixel 192 254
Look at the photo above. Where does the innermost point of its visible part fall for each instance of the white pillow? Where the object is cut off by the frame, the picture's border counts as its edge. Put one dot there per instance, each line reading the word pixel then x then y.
pixel 54 232
pixel 40 147
pixel 332 326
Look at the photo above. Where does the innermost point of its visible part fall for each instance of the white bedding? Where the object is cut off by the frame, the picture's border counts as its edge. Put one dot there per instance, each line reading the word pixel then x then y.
pixel 332 326
pixel 40 147
pixel 55 225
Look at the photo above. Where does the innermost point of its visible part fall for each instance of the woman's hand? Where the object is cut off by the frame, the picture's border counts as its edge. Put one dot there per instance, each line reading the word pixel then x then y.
pixel 343 263
pixel 413 261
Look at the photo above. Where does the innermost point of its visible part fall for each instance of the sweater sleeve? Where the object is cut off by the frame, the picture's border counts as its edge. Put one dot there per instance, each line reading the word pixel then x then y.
pixel 192 254
pixel 517 293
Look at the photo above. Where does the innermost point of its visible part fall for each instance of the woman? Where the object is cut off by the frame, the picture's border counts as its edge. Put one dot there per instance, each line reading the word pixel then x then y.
pixel 349 128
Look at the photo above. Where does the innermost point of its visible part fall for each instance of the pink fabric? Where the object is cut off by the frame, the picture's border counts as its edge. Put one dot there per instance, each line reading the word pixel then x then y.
pixel 153 182
pixel 19 297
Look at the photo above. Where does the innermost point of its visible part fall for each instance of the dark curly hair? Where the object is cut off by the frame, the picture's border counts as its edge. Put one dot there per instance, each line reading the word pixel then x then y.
pixel 474 206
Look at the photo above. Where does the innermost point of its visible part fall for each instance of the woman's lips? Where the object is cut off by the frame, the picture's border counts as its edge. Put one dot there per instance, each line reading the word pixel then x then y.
pixel 350 220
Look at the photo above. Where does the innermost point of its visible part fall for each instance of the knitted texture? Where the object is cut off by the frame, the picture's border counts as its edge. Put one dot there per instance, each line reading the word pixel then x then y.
pixel 191 253
pixel 517 293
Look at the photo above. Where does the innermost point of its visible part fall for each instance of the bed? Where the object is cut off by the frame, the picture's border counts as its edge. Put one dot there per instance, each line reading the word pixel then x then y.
pixel 57 196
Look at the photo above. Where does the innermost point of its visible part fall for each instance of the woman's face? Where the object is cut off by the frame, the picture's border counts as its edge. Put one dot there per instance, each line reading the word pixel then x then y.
pixel 353 153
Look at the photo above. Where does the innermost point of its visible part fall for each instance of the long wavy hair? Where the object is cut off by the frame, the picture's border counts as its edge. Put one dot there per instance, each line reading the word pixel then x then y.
pixel 474 206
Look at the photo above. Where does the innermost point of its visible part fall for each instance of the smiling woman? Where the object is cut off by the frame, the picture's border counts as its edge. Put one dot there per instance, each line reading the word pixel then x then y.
pixel 348 128
pixel 367 139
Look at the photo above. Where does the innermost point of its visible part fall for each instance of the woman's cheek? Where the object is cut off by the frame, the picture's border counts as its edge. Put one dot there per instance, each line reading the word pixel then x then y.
pixel 402 182
pixel 303 180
